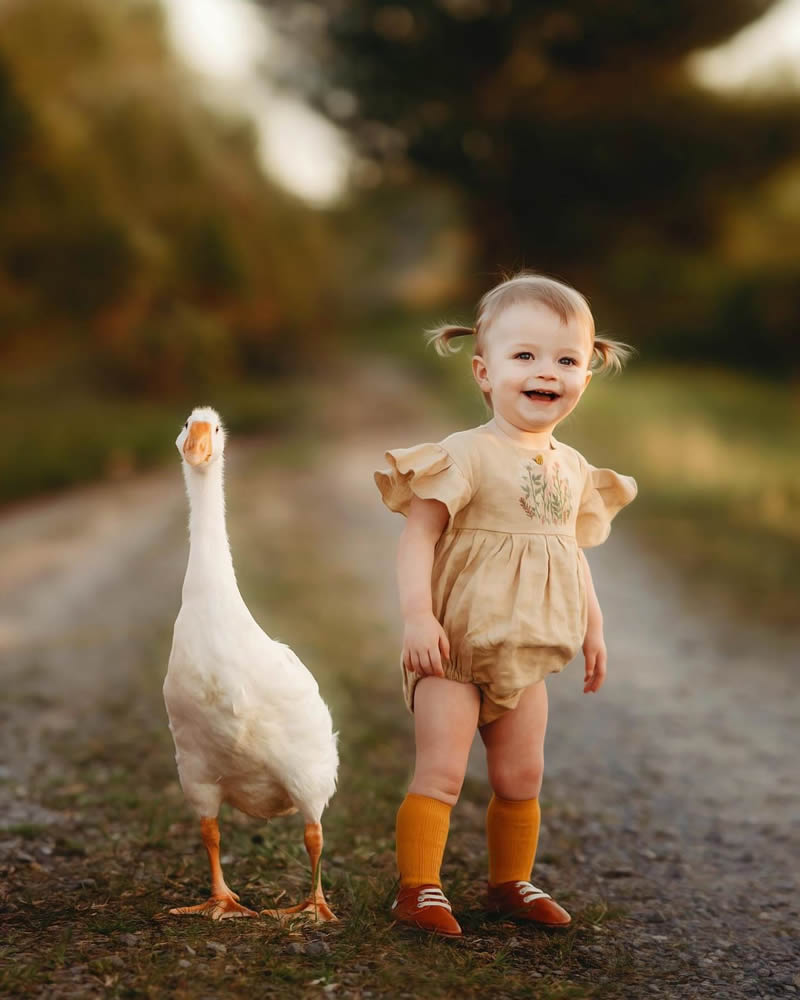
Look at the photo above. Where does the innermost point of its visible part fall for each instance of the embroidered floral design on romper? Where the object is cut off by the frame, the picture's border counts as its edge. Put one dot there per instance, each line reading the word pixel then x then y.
pixel 548 500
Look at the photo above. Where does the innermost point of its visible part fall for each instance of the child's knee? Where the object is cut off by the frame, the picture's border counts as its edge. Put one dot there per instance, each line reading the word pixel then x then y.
pixel 517 779
pixel 442 785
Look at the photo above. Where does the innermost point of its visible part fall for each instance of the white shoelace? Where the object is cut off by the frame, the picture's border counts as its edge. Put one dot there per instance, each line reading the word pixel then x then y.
pixel 529 892
pixel 430 897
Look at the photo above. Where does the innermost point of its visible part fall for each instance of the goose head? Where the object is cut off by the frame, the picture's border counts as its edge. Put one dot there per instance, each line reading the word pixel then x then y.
pixel 201 441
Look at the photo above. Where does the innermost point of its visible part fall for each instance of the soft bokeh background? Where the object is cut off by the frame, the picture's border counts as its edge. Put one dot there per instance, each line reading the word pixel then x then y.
pixel 211 199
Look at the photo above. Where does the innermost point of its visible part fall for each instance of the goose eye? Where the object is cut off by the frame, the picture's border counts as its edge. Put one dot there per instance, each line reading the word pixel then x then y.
pixel 217 430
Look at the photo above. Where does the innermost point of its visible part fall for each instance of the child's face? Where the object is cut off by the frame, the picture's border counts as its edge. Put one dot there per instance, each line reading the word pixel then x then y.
pixel 535 366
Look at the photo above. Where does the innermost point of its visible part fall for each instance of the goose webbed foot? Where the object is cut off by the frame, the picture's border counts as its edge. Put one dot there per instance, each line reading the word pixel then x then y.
pixel 316 909
pixel 217 907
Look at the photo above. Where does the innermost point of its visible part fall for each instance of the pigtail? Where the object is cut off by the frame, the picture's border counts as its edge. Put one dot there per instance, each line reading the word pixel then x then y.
pixel 609 355
pixel 442 336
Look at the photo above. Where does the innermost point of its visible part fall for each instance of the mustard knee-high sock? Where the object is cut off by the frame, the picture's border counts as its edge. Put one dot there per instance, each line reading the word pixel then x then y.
pixel 422 827
pixel 512 832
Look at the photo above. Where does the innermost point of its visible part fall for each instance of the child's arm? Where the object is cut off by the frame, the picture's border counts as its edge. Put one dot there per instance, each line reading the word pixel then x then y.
pixel 594 646
pixel 424 639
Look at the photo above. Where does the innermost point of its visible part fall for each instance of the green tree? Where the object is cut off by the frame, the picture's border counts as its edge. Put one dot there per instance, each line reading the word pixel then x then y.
pixel 574 130
pixel 565 123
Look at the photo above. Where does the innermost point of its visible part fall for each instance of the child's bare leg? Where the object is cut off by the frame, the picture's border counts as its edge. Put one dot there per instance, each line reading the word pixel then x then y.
pixel 445 717
pixel 515 755
pixel 515 746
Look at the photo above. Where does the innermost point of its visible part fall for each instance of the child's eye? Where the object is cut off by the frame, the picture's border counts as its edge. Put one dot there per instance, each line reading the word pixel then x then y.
pixel 568 361
pixel 524 356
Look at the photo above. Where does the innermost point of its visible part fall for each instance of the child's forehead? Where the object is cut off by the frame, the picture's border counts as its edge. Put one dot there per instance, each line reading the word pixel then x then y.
pixel 535 322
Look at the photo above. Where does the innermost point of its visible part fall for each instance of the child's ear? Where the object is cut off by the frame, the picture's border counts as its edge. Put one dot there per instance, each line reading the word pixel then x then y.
pixel 481 373
pixel 588 379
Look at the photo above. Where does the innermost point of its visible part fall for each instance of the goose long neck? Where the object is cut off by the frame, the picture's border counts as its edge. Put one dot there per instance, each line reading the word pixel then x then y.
pixel 210 564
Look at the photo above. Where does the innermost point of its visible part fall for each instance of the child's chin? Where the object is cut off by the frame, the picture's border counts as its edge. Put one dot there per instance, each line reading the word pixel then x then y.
pixel 532 424
pixel 544 412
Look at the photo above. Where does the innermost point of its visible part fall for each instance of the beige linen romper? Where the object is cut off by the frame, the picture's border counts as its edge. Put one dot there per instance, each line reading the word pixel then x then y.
pixel 507 581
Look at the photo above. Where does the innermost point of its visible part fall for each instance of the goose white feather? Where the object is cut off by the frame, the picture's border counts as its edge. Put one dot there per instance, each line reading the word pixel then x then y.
pixel 249 725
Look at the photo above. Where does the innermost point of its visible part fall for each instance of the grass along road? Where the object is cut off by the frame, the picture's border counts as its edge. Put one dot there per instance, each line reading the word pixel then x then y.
pixel 675 892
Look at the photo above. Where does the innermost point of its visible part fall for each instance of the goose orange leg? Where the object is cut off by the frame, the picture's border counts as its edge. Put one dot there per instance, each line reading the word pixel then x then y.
pixel 223 903
pixel 315 906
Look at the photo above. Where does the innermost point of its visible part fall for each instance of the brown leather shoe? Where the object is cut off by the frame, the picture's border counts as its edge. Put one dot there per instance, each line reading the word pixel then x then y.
pixel 425 907
pixel 523 901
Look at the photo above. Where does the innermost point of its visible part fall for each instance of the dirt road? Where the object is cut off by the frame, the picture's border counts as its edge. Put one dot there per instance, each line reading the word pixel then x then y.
pixel 675 787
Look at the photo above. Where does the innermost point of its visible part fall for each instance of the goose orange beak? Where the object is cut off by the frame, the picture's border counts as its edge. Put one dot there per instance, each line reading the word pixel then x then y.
pixel 197 446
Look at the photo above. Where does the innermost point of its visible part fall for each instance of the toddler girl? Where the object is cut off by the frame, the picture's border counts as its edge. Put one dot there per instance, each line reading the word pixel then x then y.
pixel 495 590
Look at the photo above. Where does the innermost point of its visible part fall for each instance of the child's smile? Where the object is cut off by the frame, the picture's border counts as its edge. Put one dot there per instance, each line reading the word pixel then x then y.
pixel 541 395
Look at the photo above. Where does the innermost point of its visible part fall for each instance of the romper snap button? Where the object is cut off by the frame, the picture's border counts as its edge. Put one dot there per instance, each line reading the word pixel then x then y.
pixel 538 460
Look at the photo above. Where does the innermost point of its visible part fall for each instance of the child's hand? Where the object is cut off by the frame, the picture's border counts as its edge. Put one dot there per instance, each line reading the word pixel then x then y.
pixel 425 646
pixel 594 652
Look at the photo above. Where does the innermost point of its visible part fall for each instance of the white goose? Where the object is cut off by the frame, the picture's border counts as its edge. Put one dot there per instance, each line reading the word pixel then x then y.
pixel 249 725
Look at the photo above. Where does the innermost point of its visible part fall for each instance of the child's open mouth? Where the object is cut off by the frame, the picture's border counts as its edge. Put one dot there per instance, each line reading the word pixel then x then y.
pixel 541 395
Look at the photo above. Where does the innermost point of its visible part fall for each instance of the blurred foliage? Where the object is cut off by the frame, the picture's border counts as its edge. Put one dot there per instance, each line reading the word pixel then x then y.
pixel 718 469
pixel 137 230
pixel 581 146
pixel 81 435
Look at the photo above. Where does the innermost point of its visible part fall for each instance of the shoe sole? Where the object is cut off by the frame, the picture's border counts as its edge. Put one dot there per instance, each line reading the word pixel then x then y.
pixel 513 915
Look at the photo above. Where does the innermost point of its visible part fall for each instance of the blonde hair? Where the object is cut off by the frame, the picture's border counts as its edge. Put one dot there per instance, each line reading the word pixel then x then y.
pixel 563 300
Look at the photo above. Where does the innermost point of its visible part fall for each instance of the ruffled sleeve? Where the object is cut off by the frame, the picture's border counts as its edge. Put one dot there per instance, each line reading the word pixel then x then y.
pixel 427 471
pixel 605 493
